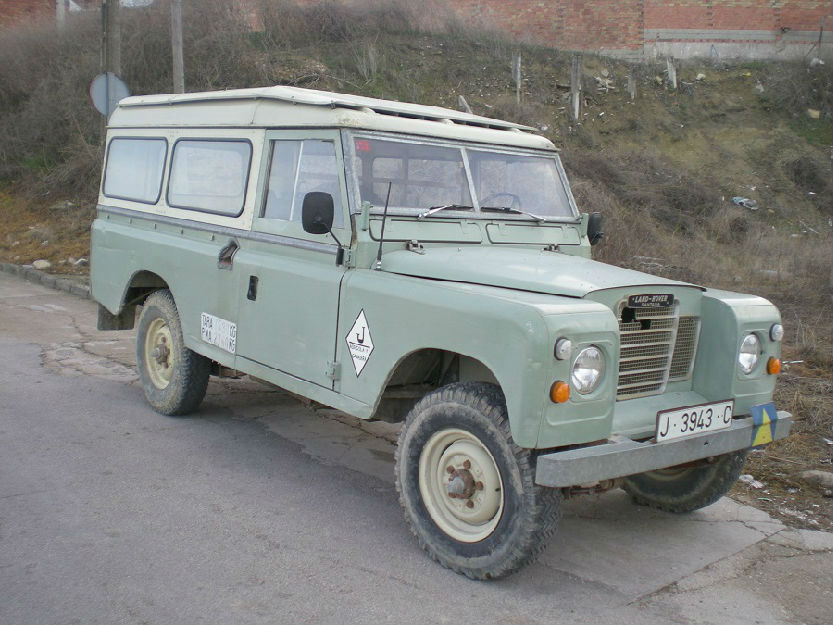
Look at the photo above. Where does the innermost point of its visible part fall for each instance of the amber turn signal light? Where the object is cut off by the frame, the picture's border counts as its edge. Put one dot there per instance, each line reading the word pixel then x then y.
pixel 773 366
pixel 560 392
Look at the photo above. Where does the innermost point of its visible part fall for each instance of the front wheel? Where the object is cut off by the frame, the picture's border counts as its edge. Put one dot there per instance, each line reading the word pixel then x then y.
pixel 685 489
pixel 173 377
pixel 467 489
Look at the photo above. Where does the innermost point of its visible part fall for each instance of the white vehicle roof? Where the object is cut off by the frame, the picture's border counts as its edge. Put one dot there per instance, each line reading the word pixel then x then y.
pixel 292 107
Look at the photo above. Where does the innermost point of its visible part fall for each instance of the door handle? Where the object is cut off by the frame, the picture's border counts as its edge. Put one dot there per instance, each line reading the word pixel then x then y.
pixel 226 256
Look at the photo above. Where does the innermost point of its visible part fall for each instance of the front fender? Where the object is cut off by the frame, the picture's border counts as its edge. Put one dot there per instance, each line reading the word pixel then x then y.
pixel 509 332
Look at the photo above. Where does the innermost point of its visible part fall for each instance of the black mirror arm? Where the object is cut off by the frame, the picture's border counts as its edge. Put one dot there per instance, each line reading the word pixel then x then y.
pixel 332 234
pixel 340 252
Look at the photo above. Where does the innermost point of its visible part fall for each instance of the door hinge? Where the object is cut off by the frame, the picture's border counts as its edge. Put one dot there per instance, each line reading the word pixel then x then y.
pixel 334 371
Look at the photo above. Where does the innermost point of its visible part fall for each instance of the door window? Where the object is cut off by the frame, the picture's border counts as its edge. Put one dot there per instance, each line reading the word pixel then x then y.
pixel 298 167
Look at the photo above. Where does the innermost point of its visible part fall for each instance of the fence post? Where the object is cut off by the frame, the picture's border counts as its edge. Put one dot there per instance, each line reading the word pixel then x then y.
pixel 575 89
pixel 516 76
pixel 461 102
pixel 672 72
pixel 632 83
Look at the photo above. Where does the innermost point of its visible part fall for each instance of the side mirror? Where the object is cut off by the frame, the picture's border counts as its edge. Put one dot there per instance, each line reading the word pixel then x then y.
pixel 594 228
pixel 317 212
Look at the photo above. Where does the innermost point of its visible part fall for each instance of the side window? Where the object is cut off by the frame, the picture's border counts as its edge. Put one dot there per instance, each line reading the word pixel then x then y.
pixel 298 167
pixel 134 169
pixel 210 176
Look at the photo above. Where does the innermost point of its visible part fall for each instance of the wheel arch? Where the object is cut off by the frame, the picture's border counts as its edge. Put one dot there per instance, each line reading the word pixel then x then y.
pixel 421 371
pixel 141 284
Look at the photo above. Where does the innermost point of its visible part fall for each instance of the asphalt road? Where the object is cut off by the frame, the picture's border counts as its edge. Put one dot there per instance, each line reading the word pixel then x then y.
pixel 262 509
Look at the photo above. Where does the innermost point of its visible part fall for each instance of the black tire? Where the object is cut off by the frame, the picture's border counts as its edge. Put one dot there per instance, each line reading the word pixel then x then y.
pixel 689 488
pixel 176 379
pixel 528 516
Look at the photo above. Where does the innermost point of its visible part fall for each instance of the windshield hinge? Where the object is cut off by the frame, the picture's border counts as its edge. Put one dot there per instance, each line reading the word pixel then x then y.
pixel 415 246
pixel 334 370
pixel 552 247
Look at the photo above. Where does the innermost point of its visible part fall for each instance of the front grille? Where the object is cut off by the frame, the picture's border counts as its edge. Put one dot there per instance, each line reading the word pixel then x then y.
pixel 656 345
pixel 685 347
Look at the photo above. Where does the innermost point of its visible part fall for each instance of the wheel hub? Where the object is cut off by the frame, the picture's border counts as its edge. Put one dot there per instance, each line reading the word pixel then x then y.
pixel 161 352
pixel 461 482
pixel 159 358
pixel 461 485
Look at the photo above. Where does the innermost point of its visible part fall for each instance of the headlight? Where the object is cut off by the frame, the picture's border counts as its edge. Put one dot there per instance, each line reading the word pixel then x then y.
pixel 588 370
pixel 776 332
pixel 750 349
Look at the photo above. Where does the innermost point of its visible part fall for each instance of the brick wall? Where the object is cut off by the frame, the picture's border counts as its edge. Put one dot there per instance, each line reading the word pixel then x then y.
pixel 17 11
pixel 680 27
pixel 576 25
pixel 631 25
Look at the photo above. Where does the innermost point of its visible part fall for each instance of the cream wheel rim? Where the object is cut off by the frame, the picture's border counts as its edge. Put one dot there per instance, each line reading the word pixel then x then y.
pixel 461 486
pixel 158 354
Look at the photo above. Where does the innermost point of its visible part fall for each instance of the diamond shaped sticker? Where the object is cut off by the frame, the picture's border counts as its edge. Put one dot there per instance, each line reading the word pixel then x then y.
pixel 359 343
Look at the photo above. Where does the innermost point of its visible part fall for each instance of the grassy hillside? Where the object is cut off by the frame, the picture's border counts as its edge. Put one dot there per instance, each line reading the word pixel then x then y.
pixel 662 168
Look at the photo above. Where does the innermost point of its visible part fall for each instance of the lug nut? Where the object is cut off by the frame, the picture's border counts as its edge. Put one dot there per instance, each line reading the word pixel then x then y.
pixel 450 469
pixel 469 504
pixel 478 485
pixel 467 464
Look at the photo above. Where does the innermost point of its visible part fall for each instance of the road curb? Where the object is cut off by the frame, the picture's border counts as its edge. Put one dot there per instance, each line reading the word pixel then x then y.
pixel 30 274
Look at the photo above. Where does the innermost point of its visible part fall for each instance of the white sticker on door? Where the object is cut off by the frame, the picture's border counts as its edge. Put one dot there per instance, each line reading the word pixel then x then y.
pixel 219 332
pixel 359 343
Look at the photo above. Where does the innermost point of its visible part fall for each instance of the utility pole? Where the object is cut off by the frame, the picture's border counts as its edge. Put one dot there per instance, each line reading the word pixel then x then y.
pixel 112 35
pixel 176 46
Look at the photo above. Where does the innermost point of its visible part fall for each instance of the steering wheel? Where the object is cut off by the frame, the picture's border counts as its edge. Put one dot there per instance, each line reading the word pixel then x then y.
pixel 487 201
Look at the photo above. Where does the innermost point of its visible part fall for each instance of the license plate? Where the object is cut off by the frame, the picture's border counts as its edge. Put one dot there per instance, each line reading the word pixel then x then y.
pixel 681 422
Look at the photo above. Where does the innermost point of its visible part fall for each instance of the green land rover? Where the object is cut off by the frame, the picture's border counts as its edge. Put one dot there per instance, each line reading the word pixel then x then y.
pixel 419 264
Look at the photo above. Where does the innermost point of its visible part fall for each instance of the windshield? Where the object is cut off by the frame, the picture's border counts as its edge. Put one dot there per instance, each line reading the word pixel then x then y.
pixel 424 176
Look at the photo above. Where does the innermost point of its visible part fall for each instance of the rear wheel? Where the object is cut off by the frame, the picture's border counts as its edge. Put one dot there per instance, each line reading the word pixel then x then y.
pixel 173 377
pixel 467 489
pixel 684 489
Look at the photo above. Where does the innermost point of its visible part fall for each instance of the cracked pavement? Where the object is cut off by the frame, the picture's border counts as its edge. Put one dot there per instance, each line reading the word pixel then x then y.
pixel 264 508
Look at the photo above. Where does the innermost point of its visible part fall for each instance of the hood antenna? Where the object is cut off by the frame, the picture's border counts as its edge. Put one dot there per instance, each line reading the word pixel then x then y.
pixel 382 235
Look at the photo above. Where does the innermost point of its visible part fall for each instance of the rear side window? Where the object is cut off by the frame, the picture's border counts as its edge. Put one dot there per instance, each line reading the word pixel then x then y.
pixel 134 169
pixel 210 176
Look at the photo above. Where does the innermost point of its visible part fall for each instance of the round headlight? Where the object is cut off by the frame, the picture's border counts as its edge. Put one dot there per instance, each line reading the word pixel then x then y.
pixel 776 332
pixel 750 349
pixel 588 370
pixel 563 349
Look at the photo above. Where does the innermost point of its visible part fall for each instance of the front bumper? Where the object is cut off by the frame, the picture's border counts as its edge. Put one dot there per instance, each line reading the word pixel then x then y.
pixel 620 457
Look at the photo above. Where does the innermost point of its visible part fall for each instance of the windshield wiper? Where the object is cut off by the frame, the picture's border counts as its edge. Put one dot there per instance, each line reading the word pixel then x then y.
pixel 437 209
pixel 513 211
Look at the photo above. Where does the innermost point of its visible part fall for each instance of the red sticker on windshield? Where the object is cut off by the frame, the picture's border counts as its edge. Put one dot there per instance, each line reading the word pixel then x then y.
pixel 362 145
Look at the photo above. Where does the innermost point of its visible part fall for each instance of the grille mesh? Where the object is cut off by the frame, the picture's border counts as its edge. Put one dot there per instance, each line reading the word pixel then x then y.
pixel 647 358
pixel 684 347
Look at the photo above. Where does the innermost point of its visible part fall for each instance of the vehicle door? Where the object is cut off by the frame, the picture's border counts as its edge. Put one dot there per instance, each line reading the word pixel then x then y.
pixel 287 320
pixel 208 186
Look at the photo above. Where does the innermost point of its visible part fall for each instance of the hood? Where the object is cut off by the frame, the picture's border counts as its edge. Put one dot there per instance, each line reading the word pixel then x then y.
pixel 519 268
